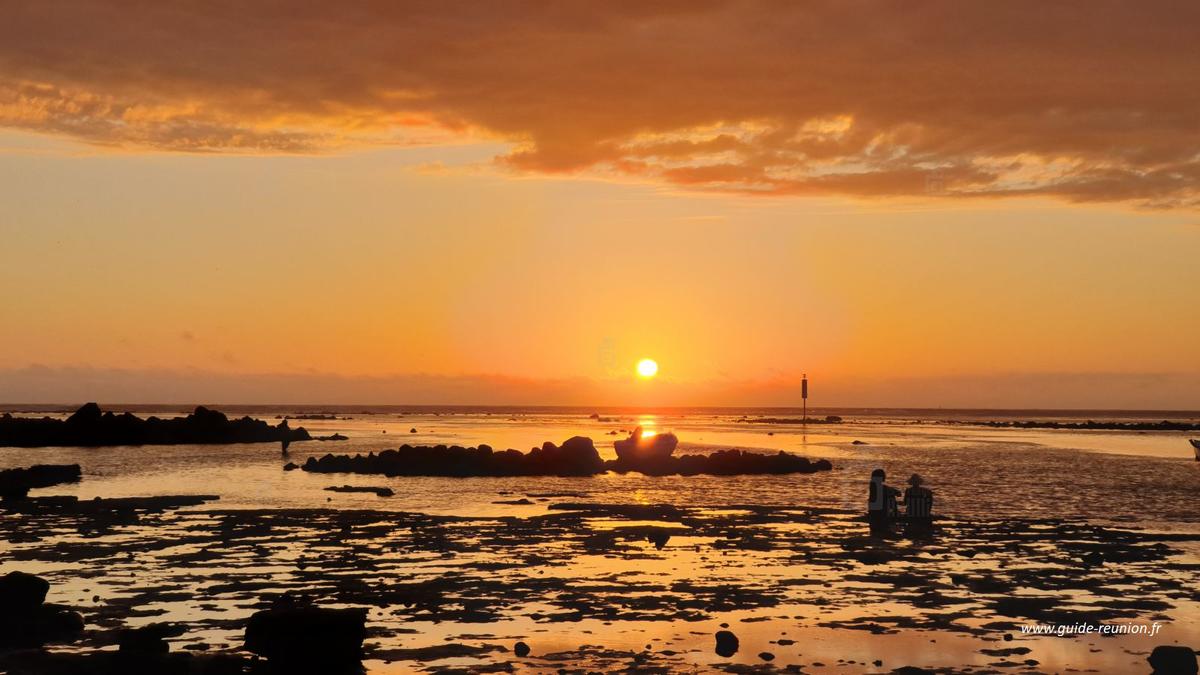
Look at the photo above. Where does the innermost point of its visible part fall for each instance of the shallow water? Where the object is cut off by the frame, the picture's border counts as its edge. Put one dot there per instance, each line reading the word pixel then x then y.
pixel 1023 510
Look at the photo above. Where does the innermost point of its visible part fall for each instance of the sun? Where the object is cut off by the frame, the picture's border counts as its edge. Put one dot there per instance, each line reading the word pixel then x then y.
pixel 647 368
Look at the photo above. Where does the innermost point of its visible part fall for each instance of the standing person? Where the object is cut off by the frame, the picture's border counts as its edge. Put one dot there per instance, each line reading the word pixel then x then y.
pixel 881 501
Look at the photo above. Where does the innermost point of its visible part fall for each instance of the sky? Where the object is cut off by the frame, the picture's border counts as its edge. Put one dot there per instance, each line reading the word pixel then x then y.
pixel 916 204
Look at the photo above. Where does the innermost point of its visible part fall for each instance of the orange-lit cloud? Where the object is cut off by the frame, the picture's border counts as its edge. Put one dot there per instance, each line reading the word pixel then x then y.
pixel 1084 101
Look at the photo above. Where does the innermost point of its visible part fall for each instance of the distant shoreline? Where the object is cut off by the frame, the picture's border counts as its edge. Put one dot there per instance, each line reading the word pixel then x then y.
pixel 850 413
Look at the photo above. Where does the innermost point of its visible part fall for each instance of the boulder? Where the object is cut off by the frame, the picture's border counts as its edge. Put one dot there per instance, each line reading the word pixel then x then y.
pixel 22 592
pixel 640 449
pixel 1173 660
pixel 26 621
pixel 727 643
pixel 307 638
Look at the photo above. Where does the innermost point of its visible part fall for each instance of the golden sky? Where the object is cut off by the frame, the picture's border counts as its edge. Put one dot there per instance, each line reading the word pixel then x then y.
pixel 929 203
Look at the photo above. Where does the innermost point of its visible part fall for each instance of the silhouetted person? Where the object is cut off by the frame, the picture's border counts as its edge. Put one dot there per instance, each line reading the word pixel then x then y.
pixel 918 500
pixel 881 502
pixel 286 440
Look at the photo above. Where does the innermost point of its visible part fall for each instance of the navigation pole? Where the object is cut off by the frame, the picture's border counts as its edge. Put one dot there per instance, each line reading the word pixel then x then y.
pixel 804 396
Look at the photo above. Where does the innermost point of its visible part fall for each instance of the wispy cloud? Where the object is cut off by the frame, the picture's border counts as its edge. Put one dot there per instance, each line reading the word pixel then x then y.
pixel 1083 101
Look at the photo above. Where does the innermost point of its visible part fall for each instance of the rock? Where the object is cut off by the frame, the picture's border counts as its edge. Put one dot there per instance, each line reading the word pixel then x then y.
pixel 911 670
pixel 1173 660
pixel 333 437
pixel 90 427
pixel 727 643
pixel 22 592
pixel 291 466
pixel 26 621
pixel 640 449
pixel 16 483
pixel 147 641
pixel 412 430
pixel 859 443
pixel 307 639
pixel 576 457
pixel 766 656
pixel 521 650
pixel 378 491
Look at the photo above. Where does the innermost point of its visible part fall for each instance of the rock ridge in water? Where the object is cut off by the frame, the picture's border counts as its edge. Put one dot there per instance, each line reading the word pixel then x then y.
pixel 577 456
pixel 91 427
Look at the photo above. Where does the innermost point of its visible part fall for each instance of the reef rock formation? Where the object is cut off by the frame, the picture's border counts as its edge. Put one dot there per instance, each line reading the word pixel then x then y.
pixel 91 427
pixel 575 457
pixel 16 483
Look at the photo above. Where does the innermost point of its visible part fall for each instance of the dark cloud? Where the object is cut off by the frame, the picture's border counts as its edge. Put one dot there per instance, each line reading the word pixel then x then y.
pixel 1084 101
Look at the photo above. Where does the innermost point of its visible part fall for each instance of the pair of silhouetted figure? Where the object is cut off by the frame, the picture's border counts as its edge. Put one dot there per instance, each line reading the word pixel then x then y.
pixel 882 502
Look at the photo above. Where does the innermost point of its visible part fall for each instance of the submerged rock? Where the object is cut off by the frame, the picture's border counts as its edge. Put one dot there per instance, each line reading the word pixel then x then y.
pixel 90 427
pixel 378 491
pixel 521 650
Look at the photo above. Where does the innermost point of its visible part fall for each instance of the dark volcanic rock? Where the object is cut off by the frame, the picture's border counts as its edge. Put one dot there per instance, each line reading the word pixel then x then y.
pixel 147 641
pixel 723 463
pixel 521 650
pixel 727 643
pixel 16 483
pixel 640 449
pixel 92 428
pixel 379 491
pixel 22 592
pixel 1173 660
pixel 576 457
pixel 307 639
pixel 26 621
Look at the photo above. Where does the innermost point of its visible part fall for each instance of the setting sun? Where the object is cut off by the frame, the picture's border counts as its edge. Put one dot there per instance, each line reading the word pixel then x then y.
pixel 647 368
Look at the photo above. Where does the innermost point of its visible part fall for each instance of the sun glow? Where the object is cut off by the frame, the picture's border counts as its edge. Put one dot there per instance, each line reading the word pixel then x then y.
pixel 647 368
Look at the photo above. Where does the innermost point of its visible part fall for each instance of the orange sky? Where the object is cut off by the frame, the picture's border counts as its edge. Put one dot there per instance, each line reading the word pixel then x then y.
pixel 919 203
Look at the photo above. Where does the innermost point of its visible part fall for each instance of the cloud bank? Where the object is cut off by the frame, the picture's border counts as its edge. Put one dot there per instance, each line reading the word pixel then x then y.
pixel 38 384
pixel 1085 101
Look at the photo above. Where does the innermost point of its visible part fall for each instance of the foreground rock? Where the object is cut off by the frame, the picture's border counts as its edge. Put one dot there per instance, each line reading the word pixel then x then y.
pixel 576 457
pixel 1173 660
pixel 16 483
pixel 26 621
pixel 727 643
pixel 300 638
pixel 91 427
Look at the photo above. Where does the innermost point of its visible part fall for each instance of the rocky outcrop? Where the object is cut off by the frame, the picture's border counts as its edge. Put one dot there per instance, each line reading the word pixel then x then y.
pixel 639 448
pixel 91 427
pixel 16 483
pixel 575 457
pixel 26 620
pixel 302 638
pixel 1164 425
